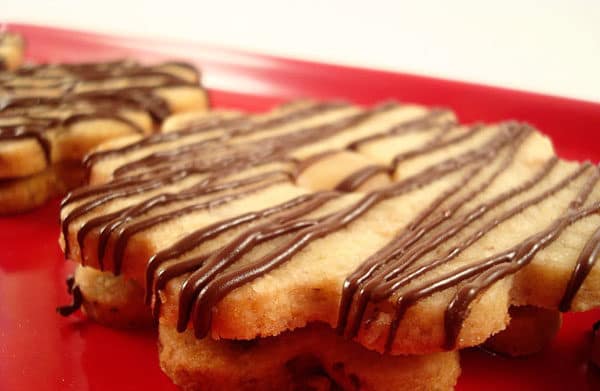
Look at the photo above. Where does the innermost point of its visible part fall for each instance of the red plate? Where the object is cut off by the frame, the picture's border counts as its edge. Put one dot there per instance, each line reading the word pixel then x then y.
pixel 39 350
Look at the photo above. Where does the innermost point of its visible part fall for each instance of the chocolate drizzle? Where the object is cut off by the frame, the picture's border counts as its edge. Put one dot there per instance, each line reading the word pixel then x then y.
pixel 314 159
pixel 125 233
pixel 159 138
pixel 587 259
pixel 198 237
pixel 21 132
pixel 360 177
pixel 66 79
pixel 413 265
pixel 210 282
pixel 112 191
pixel 75 305
pixel 386 259
pixel 378 289
pixel 206 297
pixel 436 144
pixel 431 119
pixel 237 127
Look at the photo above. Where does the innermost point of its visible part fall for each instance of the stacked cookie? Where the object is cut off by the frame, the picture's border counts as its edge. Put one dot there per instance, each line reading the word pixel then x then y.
pixel 327 245
pixel 52 115
pixel 12 50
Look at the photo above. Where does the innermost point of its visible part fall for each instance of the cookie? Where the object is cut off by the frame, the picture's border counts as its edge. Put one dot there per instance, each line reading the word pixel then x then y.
pixel 460 198
pixel 20 195
pixel 110 300
pixel 391 227
pixel 12 50
pixel 340 124
pixel 312 358
pixel 530 331
pixel 58 113
pixel 499 188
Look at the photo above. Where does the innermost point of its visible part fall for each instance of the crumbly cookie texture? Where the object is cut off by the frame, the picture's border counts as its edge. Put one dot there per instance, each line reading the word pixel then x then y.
pixel 52 114
pixel 391 227
pixel 12 49
pixel 430 261
pixel 308 358
pixel 425 237
pixel 20 195
pixel 110 300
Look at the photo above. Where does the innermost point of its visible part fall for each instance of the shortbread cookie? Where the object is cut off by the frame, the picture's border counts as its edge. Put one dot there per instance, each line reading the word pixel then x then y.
pixel 11 51
pixel 117 302
pixel 462 199
pixel 294 114
pixel 112 301
pixel 22 194
pixel 313 358
pixel 294 130
pixel 57 113
pixel 531 329
pixel 65 106
pixel 200 118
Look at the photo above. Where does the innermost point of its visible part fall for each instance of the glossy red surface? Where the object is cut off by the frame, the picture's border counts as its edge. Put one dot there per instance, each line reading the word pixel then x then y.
pixel 40 350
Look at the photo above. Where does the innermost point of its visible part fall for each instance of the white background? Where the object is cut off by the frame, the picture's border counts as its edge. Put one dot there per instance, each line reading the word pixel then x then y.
pixel 548 46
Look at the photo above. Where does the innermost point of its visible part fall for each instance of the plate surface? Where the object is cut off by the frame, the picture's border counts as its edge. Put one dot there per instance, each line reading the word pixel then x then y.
pixel 40 350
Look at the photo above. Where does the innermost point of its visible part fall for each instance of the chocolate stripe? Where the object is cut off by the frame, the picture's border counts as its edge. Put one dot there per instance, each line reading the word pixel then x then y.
pixel 125 233
pixel 586 261
pixel 454 321
pixel 106 103
pixel 405 249
pixel 199 236
pixel 235 127
pixel 428 120
pixel 207 296
pixel 397 272
pixel 360 177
